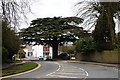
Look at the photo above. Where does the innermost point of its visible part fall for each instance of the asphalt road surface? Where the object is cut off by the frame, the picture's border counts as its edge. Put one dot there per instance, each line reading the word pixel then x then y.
pixel 63 70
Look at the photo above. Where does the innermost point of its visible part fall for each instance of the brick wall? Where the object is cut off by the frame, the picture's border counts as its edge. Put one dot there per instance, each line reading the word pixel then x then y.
pixel 105 57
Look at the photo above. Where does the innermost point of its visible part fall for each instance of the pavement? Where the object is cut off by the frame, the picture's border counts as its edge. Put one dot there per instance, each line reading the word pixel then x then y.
pixel 97 63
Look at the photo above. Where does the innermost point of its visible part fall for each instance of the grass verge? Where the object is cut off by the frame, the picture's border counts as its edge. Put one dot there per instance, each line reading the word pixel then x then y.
pixel 19 68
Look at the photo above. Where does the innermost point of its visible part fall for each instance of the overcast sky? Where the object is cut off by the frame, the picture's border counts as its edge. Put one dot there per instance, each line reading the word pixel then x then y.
pixel 51 8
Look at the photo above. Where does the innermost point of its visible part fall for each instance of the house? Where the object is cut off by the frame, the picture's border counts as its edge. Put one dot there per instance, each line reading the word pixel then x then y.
pixel 28 51
pixel 38 50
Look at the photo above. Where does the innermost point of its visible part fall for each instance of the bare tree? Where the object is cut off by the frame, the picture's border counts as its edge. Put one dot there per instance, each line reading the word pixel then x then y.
pixel 89 11
pixel 92 9
pixel 14 10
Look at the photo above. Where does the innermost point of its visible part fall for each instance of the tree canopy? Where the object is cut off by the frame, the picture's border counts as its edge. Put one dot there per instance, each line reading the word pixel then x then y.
pixel 53 31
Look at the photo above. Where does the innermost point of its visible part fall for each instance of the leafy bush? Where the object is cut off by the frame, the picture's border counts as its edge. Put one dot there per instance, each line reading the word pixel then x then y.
pixel 117 47
pixel 85 45
pixel 68 49
pixel 21 53
pixel 100 46
pixel 71 50
pixel 10 40
pixel 118 42
pixel 5 54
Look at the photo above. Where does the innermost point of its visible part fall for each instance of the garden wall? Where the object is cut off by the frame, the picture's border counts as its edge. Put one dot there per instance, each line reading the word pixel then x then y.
pixel 104 57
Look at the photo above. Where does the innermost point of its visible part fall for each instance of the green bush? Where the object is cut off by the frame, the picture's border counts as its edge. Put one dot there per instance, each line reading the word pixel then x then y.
pixel 100 47
pixel 21 53
pixel 71 52
pixel 10 40
pixel 5 54
pixel 68 49
pixel 85 45
pixel 117 47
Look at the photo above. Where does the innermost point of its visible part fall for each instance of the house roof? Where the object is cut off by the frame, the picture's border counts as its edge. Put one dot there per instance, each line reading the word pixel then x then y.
pixel 28 47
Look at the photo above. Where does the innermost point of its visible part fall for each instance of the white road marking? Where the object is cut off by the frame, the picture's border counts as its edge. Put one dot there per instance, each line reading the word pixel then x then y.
pixel 62 69
pixel 66 71
pixel 67 77
pixel 56 70
pixel 64 76
pixel 69 74
pixel 84 71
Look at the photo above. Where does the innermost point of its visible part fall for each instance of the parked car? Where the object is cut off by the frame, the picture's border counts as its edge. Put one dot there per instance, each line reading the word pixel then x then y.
pixel 64 56
pixel 42 58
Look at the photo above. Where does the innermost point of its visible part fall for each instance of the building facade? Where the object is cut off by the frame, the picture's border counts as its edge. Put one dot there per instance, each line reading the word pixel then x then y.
pixel 38 50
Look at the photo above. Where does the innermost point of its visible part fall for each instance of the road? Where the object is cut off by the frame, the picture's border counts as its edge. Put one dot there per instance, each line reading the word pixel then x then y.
pixel 63 70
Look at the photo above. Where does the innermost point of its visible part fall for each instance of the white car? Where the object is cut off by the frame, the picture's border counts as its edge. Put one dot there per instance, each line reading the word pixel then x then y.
pixel 42 58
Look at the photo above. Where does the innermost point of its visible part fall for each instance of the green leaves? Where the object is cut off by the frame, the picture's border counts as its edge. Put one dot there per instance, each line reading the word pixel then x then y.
pixel 21 51
pixel 48 28
pixel 85 45
pixel 10 40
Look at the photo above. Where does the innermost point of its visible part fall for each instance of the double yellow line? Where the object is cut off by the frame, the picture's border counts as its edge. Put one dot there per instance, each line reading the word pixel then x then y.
pixel 22 72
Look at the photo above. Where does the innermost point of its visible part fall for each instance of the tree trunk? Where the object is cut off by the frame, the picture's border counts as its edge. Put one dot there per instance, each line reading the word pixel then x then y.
pixel 112 31
pixel 55 50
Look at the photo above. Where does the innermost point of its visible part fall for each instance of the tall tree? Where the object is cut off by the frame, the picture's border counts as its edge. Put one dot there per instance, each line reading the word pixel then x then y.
pixel 52 31
pixel 10 40
pixel 95 13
